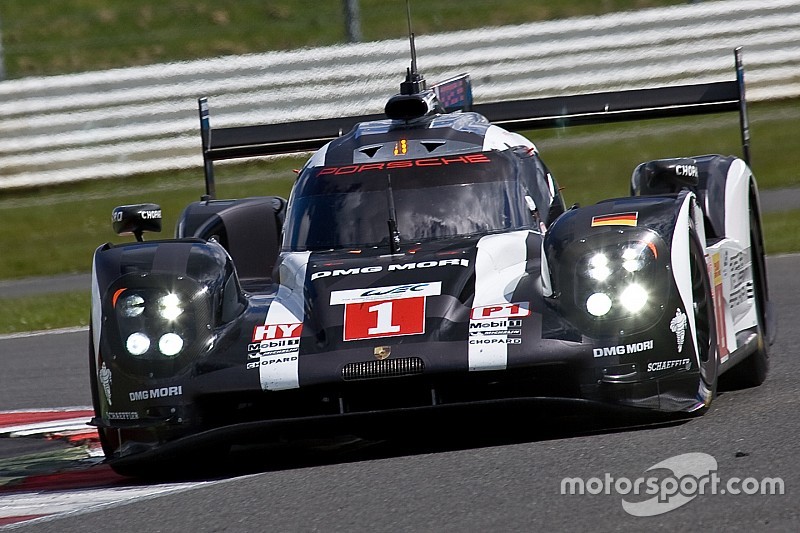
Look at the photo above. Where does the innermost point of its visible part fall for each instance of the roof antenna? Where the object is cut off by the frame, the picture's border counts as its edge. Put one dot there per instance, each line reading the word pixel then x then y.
pixel 415 99
pixel 411 38
pixel 394 234
pixel 414 83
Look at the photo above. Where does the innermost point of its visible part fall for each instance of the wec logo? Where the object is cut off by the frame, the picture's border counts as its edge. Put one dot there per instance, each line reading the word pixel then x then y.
pixel 394 292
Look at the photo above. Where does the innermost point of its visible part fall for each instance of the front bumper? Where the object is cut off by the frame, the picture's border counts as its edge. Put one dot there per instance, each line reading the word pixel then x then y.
pixel 373 409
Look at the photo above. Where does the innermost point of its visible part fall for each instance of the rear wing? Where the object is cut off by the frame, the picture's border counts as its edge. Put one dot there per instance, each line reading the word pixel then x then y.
pixel 514 115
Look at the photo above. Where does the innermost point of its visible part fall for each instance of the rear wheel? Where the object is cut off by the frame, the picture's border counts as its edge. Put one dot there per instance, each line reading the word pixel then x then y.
pixel 753 370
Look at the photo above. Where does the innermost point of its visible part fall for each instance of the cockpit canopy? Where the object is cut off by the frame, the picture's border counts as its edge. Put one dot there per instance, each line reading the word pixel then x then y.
pixel 334 207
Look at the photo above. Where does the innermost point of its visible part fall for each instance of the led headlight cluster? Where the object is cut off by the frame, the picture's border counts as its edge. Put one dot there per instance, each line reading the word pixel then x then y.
pixel 162 306
pixel 615 281
pixel 150 320
pixel 155 323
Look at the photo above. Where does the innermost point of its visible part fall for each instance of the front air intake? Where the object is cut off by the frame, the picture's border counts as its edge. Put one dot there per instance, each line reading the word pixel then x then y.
pixel 388 368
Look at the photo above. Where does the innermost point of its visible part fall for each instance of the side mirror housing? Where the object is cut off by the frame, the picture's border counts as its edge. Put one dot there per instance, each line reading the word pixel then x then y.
pixel 136 219
pixel 664 176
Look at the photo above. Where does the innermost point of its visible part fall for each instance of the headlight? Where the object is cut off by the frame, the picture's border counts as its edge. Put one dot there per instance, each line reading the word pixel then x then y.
pixel 633 298
pixel 610 281
pixel 170 344
pixel 159 321
pixel 598 304
pixel 132 306
pixel 137 344
pixel 169 307
pixel 597 268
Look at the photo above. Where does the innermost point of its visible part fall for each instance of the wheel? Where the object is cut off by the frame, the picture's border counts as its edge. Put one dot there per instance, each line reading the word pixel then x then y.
pixel 704 319
pixel 753 370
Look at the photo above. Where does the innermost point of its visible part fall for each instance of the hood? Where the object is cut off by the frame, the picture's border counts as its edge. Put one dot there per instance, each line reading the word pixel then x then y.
pixel 414 296
pixel 427 293
pixel 470 303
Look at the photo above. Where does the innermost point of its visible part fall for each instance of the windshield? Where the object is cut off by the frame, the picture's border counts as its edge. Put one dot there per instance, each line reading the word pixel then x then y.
pixel 349 206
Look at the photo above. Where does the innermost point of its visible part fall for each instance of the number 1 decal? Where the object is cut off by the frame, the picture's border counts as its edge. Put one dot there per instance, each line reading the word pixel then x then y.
pixel 384 312
pixel 386 318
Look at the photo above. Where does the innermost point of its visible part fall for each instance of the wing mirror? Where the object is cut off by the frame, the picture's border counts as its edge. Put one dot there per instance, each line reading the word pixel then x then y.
pixel 136 219
pixel 664 176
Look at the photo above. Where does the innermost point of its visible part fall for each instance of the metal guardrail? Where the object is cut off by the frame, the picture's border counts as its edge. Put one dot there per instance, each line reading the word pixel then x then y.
pixel 144 119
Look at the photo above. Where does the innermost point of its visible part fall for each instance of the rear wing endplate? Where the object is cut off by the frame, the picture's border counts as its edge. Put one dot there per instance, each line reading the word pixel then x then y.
pixel 514 115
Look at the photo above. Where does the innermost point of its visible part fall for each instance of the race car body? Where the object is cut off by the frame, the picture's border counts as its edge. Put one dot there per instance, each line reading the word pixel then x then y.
pixel 427 259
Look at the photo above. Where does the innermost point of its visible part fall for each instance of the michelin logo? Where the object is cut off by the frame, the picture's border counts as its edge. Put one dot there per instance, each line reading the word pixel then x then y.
pixel 678 326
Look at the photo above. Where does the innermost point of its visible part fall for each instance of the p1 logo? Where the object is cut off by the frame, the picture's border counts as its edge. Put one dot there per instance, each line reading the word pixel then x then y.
pixel 503 310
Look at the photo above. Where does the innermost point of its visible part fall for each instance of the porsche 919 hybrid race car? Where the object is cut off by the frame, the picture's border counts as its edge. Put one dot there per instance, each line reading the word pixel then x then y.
pixel 426 259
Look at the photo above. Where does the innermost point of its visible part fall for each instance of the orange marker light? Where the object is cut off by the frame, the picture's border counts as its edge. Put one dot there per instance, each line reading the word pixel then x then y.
pixel 653 249
pixel 116 295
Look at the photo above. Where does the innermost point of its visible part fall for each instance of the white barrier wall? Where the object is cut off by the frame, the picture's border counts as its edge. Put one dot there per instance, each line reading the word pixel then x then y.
pixel 143 119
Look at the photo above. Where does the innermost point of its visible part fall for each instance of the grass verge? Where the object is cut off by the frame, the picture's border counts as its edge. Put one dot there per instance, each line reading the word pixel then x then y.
pixel 42 38
pixel 51 311
pixel 55 230
pixel 780 232
pixel 72 308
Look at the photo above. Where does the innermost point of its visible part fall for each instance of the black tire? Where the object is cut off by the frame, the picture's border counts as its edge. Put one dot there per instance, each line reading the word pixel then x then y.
pixel 752 371
pixel 704 317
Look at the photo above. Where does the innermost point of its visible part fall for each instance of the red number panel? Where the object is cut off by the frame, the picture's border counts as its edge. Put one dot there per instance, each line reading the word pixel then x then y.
pixel 384 318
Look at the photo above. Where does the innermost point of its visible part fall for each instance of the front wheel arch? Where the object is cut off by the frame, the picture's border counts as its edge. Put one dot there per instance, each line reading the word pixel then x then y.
pixel 705 317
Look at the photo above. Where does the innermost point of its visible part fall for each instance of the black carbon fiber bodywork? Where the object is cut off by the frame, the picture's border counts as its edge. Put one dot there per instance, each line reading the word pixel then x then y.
pixel 424 266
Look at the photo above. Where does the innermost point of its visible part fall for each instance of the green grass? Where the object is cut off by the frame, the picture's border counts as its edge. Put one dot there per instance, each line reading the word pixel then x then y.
pixel 55 230
pixel 780 231
pixel 43 37
pixel 607 154
pixel 50 311
pixel 72 309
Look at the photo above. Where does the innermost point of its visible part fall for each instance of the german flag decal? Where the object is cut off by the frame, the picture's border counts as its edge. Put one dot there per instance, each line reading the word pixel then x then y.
pixel 617 219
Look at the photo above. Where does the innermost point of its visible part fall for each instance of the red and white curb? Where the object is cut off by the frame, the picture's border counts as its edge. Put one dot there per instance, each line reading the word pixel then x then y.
pixel 68 480
pixel 69 424
pixel 46 505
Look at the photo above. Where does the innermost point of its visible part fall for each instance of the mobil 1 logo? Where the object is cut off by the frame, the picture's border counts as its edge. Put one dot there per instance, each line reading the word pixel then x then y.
pixel 498 323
